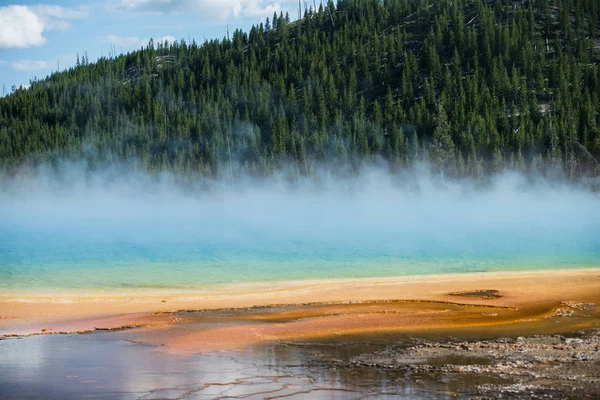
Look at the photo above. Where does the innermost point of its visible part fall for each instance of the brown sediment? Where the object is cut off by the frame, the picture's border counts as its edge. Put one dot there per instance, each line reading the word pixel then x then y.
pixel 208 331
pixel 312 390
pixel 488 294
pixel 322 303
pixel 241 315
pixel 81 332
pixel 111 323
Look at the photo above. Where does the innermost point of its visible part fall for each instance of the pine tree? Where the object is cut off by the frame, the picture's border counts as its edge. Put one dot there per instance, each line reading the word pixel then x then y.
pixel 441 152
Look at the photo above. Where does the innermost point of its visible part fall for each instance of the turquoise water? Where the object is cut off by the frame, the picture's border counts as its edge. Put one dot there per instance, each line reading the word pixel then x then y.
pixel 73 260
pixel 110 240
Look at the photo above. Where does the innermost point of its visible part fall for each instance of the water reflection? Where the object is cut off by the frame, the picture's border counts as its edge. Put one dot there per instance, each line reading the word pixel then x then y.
pixel 107 365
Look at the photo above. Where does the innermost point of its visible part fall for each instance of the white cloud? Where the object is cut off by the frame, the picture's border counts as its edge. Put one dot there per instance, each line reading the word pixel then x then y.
pixel 23 26
pixel 20 27
pixel 39 65
pixel 134 41
pixel 30 65
pixel 56 17
pixel 267 10
pixel 58 12
pixel 209 9
pixel 166 38
pixel 125 41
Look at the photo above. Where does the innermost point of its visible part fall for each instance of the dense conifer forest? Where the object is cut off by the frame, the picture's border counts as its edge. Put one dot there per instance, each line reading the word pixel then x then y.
pixel 470 87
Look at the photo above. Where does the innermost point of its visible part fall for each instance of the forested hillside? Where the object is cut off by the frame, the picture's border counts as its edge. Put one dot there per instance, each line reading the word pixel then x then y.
pixel 469 86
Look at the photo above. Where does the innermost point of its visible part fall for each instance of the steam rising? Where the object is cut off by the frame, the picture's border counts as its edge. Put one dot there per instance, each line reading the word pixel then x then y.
pixel 412 220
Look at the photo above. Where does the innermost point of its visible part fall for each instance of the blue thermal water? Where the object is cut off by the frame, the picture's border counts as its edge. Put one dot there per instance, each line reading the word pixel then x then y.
pixel 75 259
pixel 181 242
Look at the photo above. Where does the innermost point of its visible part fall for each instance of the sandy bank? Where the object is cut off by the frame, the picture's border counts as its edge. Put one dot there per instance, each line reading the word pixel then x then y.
pixel 510 302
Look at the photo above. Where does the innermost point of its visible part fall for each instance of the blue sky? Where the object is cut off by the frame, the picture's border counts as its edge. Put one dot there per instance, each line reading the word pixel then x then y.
pixel 36 37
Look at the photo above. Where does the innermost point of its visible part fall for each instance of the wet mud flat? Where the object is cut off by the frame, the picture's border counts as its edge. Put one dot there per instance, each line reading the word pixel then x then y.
pixel 108 365
pixel 537 367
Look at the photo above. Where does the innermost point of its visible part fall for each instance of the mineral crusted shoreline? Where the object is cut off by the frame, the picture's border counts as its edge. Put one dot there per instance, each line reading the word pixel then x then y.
pixel 537 367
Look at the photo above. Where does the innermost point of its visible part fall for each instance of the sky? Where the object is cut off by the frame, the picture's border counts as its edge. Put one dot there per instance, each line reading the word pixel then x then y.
pixel 37 38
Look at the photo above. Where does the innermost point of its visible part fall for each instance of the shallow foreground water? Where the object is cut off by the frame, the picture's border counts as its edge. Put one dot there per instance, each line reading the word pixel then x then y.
pixel 111 365
pixel 104 366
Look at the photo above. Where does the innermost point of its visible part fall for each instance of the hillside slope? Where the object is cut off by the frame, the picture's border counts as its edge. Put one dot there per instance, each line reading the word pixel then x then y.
pixel 472 87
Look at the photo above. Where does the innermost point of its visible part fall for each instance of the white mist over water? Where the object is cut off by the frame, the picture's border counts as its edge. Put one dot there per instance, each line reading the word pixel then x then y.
pixel 82 231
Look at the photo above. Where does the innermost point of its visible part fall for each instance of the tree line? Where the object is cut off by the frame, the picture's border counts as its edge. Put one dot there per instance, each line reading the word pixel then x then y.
pixel 471 87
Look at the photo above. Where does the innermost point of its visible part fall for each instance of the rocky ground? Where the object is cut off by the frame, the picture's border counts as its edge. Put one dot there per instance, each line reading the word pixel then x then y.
pixel 539 367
